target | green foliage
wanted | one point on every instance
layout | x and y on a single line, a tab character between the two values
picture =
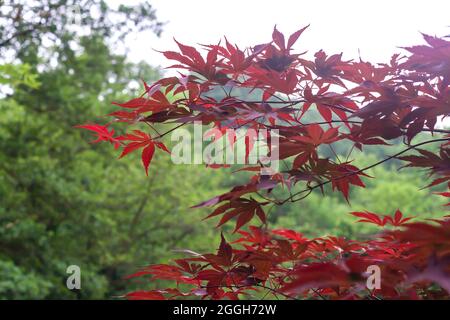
14	75
21	284
64	202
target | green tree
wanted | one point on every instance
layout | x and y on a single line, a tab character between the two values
61	201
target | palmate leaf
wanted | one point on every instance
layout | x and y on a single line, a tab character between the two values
102	133
138	140
379	220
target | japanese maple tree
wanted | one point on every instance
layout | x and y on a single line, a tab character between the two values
356	101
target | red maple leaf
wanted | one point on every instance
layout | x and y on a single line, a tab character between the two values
142	140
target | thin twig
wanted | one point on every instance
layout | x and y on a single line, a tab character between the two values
360	170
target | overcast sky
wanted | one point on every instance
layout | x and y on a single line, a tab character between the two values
376	28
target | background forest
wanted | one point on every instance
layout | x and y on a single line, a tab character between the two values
64	202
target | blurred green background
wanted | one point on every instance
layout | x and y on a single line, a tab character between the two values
64	201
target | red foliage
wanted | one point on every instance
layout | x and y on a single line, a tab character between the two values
360	102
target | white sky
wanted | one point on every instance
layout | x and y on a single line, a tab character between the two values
376	28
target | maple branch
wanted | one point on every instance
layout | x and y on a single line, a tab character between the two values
169	131
275	291
152	127
355	122
275	102
287	103
294	102
319	294
309	189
